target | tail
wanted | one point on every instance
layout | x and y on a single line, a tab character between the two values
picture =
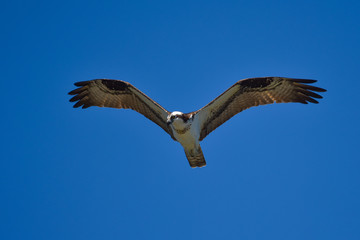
195	157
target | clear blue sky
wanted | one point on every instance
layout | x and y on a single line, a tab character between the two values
284	171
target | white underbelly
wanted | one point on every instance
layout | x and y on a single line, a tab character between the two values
188	139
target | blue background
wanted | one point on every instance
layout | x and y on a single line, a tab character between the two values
284	171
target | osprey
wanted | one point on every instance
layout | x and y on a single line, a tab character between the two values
191	128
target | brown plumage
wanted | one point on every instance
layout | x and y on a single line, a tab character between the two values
242	95
119	94
195	157
253	92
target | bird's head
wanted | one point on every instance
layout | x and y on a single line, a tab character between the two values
179	119
174	116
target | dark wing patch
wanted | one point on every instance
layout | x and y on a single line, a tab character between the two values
115	85
119	94
256	82
253	92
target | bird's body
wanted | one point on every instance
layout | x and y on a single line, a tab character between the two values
191	128
186	130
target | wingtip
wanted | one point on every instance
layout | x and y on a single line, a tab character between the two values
82	83
76	105
321	90
308	81
73	92
300	80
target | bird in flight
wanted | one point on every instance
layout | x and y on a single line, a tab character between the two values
189	129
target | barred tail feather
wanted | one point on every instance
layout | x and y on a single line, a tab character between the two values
195	157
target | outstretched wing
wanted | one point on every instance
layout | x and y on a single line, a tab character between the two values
253	92
119	94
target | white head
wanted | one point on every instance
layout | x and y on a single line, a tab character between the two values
179	119
176	115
